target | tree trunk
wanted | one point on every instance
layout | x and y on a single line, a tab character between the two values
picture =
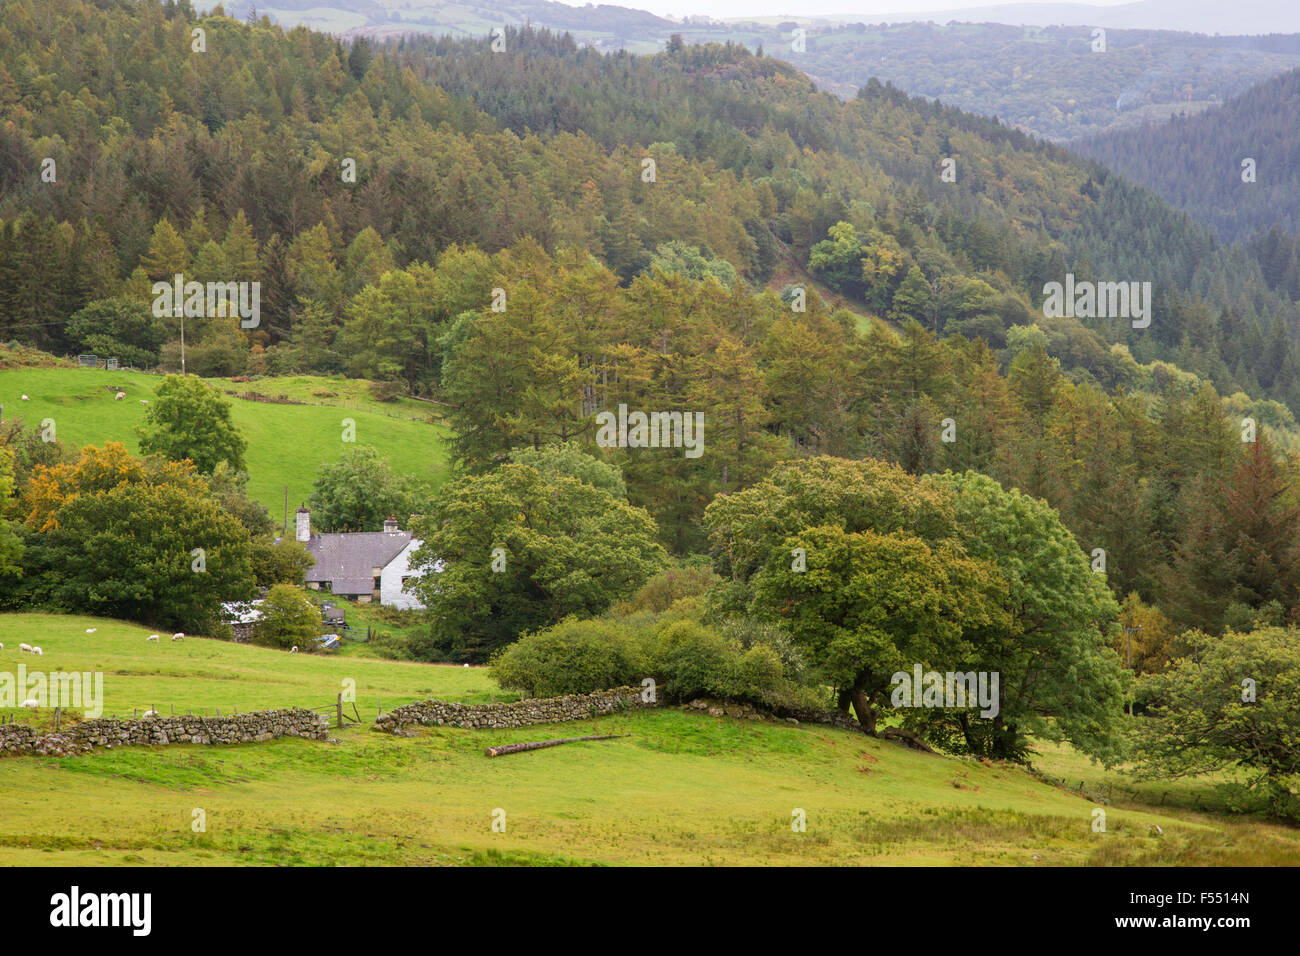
862	705
906	737
970	738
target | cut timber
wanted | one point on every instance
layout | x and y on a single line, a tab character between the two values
906	738
539	744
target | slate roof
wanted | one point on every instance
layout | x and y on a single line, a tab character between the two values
347	561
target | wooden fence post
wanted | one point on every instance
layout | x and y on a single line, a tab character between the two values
339	709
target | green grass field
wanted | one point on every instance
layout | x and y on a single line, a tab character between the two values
286	443
682	788
199	674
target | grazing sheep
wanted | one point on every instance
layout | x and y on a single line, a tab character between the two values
150	713
177	637
91	630
144	401
26	399
31	702
152	637
294	649
467	665
24	648
37	651
2	647
119	396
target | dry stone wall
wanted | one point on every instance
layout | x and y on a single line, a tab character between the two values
158	731
520	713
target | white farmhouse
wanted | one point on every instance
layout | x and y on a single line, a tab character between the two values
362	566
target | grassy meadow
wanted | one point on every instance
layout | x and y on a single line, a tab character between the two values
199	674
287	443
682	788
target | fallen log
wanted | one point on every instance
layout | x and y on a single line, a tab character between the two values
539	744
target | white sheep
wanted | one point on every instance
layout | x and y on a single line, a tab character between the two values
24	648
31	702
37	651
119	396
2	647
91	630
144	401
177	637
26	399
152	637
294	649
467	665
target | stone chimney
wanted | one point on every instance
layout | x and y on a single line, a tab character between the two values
303	526
390	526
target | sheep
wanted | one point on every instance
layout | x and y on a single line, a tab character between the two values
2	647
151	713
31	702
177	637
152	637
119	396
26	399
144	401
294	649
467	665
37	651
91	630
24	648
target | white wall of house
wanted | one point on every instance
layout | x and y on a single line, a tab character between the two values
390	580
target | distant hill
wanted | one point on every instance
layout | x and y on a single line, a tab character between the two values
1195	161
1199	16
1043	79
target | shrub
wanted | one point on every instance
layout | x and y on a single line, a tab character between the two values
572	657
686	658
387	390
288	618
668	587
692	660
390	647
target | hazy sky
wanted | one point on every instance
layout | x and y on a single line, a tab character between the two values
721	9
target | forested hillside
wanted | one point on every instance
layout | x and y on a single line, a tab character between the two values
1047	79
1236	169
538	234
